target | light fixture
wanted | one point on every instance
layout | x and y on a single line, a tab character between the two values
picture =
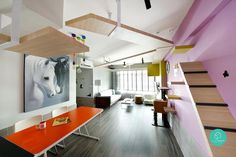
142	61
74	60
84	57
147	4
124	64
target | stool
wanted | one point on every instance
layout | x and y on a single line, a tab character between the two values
138	99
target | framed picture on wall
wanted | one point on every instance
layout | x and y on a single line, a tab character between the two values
46	81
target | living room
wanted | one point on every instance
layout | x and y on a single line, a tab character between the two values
119	77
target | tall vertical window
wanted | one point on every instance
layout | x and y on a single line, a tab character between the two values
135	80
139	80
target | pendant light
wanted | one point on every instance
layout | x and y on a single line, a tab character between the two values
124	64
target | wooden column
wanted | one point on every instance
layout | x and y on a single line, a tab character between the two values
163	74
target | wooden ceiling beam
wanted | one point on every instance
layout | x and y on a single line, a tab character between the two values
136	55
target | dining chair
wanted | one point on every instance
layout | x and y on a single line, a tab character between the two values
59	111
55	113
26	123
72	107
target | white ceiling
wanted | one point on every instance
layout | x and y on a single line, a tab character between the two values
30	21
163	14
164	17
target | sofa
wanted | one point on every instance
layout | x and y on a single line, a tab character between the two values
106	98
149	99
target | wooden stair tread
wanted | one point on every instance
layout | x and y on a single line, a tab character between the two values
211	104
225	129
216	116
198	79
177	83
228	149
202	86
192	66
212	110
207	95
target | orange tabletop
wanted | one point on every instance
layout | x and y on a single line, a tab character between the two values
37	141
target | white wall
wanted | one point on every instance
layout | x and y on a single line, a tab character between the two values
103	74
11	90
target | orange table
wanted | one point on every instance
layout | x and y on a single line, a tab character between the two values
38	141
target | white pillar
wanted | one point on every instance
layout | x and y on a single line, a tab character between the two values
0	23
118	12
16	15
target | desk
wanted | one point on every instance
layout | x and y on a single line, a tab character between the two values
38	141
127	101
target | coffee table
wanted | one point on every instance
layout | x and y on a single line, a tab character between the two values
127	101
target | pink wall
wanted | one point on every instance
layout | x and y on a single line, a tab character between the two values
226	86
214	43
211	27
200	10
185	108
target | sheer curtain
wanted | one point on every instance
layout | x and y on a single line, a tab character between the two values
134	80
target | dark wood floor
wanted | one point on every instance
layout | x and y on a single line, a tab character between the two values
124	132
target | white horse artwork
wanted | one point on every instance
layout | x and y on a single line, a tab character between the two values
40	81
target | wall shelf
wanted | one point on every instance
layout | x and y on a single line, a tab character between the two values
173	97
177	83
169	110
182	49
48	42
4	38
164	88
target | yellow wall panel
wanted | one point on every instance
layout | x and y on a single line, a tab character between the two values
153	70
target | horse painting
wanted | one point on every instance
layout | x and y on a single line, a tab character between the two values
41	82
61	67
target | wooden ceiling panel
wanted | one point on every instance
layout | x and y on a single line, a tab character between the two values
101	25
4	38
48	42
93	23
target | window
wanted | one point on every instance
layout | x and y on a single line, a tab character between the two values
139	80
135	80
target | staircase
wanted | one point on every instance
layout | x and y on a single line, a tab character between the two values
212	109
